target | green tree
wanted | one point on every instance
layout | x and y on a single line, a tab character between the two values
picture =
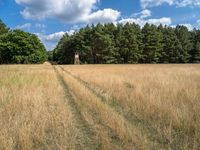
110	53
195	52
21	47
152	44
50	55
183	36
64	51
171	46
129	43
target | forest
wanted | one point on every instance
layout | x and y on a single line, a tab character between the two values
129	44
19	47
105	44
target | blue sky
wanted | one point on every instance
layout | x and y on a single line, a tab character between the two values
50	19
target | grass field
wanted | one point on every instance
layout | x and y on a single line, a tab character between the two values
100	107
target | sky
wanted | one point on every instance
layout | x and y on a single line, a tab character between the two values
51	19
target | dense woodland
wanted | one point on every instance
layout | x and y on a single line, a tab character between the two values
19	47
129	43
105	44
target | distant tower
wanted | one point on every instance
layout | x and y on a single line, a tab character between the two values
76	59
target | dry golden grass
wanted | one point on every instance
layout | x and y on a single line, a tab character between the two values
33	110
111	130
161	101
100	107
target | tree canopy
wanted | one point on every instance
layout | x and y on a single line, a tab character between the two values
130	43
19	47
3	28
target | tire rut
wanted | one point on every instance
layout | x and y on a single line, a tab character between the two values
130	117
115	138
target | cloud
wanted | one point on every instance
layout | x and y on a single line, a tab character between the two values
198	22
143	14
26	26
30	27
103	16
178	3
51	40
141	19
189	26
184	3
163	21
69	11
142	22
53	37
151	3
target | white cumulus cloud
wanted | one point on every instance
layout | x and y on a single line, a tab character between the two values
103	16
143	14
141	19
70	11
142	22
151	3
51	40
184	3
178	3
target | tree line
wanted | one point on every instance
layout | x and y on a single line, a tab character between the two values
19	47
105	44
129	44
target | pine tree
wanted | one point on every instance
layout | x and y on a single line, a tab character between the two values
186	45
134	42
127	43
171	46
111	54
64	51
152	44
196	54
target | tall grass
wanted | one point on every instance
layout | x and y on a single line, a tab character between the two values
162	100
112	131
99	107
33	111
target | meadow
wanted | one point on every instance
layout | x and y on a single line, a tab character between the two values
100	107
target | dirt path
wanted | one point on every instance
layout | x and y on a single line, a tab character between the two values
88	134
